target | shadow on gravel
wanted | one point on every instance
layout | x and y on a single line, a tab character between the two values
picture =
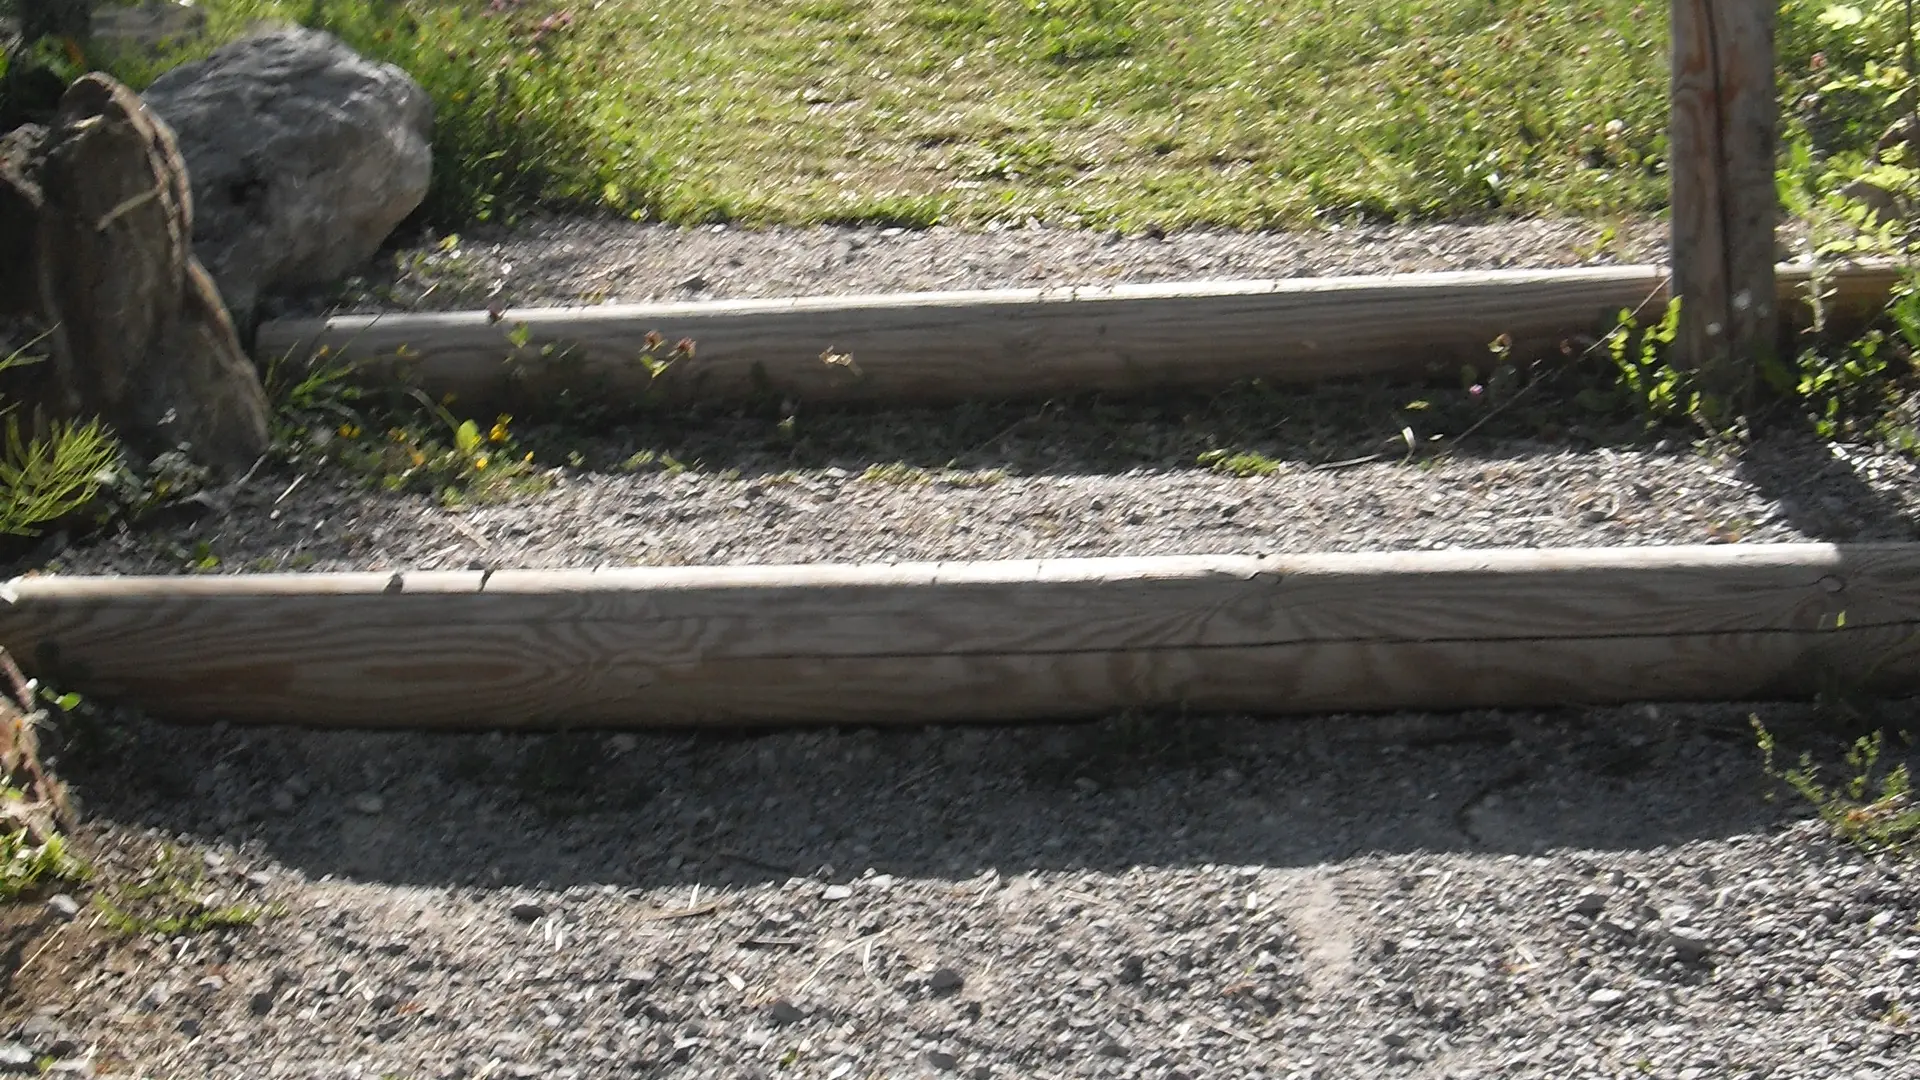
1823	494
650	810
1253	423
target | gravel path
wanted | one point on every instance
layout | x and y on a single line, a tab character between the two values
1588	894
1601	893
573	261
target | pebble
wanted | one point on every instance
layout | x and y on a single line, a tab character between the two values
1591	902
944	981
369	803
784	1012
527	911
942	1060
1689	943
13	1056
1606	996
836	892
63	905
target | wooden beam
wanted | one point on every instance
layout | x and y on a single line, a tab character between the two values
952	642
1010	343
1724	205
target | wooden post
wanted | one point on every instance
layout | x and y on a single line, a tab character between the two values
1720	161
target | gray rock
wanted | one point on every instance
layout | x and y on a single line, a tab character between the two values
1591	902
304	157
944	981
1689	943
63	905
784	1012
16	1058
369	803
139	336
942	1060
527	911
1606	996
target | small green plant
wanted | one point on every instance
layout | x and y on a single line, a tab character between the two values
1872	808
170	899
1244	464
1656	390
26	862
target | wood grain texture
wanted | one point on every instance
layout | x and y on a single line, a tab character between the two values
1722	196
981	641
933	347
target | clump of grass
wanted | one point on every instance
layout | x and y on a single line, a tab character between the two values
1872	807
51	475
170	899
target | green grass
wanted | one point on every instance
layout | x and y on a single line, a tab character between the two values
1101	112
171	899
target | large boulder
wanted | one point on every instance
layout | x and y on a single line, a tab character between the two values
138	336
304	156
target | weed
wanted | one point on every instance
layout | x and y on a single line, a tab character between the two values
1872	808
404	442
1244	465
170	899
1654	388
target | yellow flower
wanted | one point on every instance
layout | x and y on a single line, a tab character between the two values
349	431
419	458
499	432
480	462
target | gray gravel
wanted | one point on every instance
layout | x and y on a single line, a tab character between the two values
1585	894
591	518
568	261
1602	893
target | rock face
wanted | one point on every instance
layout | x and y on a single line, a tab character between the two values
304	157
98	207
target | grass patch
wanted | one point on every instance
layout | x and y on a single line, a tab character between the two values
170	898
1125	113
1101	112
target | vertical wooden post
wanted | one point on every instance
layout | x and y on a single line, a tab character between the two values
1720	161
